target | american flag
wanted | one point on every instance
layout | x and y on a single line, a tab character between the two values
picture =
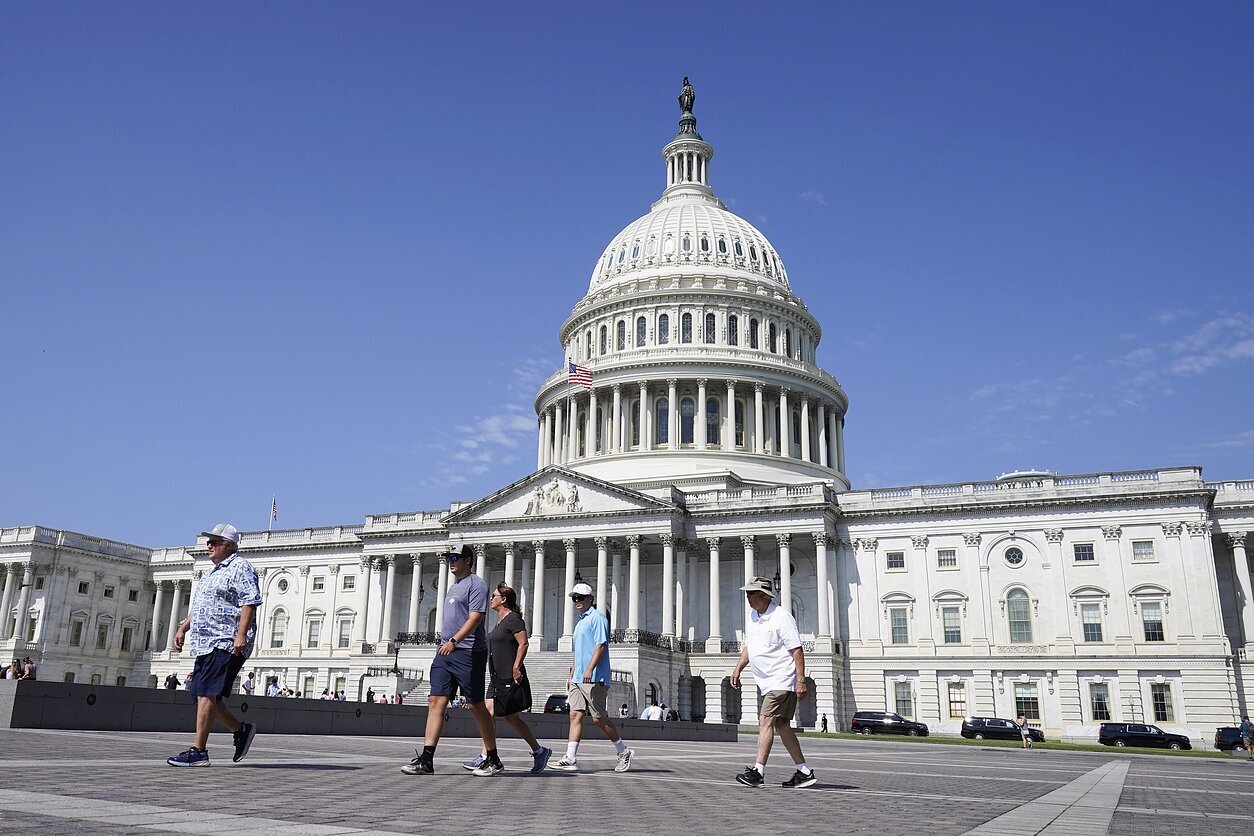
274	509
578	375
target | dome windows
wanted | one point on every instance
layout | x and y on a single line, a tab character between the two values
753	253
686	245
668	245
770	338
663	329
788	342
705	243
753	333
605	339
711	421
641	330
687	409
722	246
685	328
620	335
622	254
733	330
711	327
740	251
661	430
635	251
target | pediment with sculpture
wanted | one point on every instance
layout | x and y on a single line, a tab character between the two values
556	492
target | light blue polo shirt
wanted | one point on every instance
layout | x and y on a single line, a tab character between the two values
592	629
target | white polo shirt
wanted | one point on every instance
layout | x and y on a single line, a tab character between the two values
771	638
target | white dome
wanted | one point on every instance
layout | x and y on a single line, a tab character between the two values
688	232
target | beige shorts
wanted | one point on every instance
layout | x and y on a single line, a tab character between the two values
779	704
589	699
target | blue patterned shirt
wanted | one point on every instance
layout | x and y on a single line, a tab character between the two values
220	595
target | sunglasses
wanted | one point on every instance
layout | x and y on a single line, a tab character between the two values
213	544
580	597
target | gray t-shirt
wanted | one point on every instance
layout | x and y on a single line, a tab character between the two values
468	595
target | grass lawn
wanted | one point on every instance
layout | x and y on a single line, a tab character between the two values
1052	746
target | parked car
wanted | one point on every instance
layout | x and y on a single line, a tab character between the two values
556	704
1228	738
1140	734
996	728
885	722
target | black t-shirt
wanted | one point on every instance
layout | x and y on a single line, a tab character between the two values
504	647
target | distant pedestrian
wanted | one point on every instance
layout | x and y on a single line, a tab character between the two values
272	690
370	695
172	681
1247	737
653	711
249	684
1024	734
221	626
624	712
823	724
672	715
28	670
588	682
772	647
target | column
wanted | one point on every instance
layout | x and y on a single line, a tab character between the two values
681	585
668	585
633	581
509	565
672	414
616	585
559	438
389	589
23	600
7	601
644	417
840	444
573	423
729	418
747	543
805	428
785	571
591	447
540	422
603	568
415	594
568	606
154	635
442	590
524	585
481	560
1241	565
822	542
699	431
759	437
363	603
785	425
714	644
823	459
537	597
615	430
691	607
175	601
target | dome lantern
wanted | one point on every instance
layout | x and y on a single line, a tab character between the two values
688	155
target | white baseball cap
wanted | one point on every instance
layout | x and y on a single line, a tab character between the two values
580	589
224	530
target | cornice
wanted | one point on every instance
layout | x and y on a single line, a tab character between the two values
979	507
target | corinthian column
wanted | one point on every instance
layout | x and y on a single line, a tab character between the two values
822	542
714	644
537	597
23	600
759	420
602	588
415	594
699	434
805	428
785	425
785	571
389	588
568	610
668	585
7	601
363	604
633	581
1241	566
154	634
175	602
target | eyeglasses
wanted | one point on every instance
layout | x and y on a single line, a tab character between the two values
580	597
213	544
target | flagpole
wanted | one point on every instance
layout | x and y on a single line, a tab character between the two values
273	508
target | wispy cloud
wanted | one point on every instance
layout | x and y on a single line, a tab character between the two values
1240	441
813	196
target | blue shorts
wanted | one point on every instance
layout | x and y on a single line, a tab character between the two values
461	670
215	673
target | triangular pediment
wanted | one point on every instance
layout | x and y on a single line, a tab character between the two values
556	492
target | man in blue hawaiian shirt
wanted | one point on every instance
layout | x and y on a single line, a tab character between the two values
219	632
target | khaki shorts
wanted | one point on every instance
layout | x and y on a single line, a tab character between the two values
589	699
779	704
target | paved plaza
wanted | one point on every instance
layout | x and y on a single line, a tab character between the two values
112	782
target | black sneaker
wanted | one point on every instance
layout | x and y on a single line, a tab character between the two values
418	766
750	777
243	740
800	779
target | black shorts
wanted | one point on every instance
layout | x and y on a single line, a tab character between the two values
215	672
461	671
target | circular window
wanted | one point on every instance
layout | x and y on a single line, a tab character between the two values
1014	556
283	585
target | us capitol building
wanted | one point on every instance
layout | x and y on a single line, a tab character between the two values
710	448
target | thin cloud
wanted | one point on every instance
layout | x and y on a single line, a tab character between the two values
1240	441
813	196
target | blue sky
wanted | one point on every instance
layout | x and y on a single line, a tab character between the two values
322	250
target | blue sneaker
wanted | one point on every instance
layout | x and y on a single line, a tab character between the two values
474	763
192	757
540	759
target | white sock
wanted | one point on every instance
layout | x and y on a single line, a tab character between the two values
620	745
572	749
761	768
802	767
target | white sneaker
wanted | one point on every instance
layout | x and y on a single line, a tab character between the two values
566	764
624	761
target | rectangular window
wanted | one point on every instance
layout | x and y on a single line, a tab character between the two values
346	633
39	582
31	624
69	676
946	558
341	683
896	560
1099	700
1019	616
951	621
349	583
903	699
1083	552
314	634
102	636
1160	696
76	633
1142	549
897	618
108	592
128	636
1152	620
120	682
83	587
957	700
1026	701
95	679
1091	617
309	686
319	583
133	596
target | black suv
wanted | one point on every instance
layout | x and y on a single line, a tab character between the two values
995	728
1228	738
885	722
556	704
1140	734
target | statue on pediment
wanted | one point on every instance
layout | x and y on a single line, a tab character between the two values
552	499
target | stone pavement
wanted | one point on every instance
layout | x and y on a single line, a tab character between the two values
117	782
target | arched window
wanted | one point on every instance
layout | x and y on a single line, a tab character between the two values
581	424
711	421
687	409
711	327
662	424
620	336
740	423
705	244
686	244
663	329
597	443
622	254
651	247
587	354
635	251
770	338
605	339
796	429
775	427
722	246
635	423
740	251
788	342
753	253
278	627
641	328
1019	616
733	330
753	333
685	328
